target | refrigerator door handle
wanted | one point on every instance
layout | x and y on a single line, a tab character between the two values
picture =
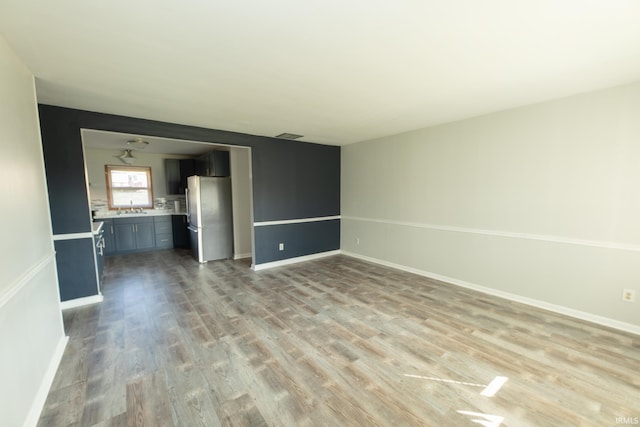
186	197
192	228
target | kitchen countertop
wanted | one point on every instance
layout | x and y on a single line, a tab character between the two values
114	214
97	226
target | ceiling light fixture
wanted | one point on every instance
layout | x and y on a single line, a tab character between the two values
289	136
137	143
127	157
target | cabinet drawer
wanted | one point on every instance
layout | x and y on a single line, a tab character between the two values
163	227
164	241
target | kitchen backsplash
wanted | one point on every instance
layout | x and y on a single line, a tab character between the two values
161	203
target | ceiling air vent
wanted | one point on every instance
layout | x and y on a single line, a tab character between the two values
289	136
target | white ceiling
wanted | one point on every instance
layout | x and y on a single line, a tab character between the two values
335	71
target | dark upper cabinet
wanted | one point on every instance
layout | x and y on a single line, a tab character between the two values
187	169
213	163
176	173
172	175
202	165
220	161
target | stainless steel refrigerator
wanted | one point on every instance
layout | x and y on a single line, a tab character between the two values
210	217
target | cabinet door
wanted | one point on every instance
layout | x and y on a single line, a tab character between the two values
202	165
125	236
180	232
109	238
164	237
162	225
187	169
220	161
172	175
145	235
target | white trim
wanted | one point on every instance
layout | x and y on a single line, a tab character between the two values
25	278
43	391
95	231
95	264
589	317
541	237
295	260
79	302
242	256
296	221
73	236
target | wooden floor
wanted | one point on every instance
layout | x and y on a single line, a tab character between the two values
328	343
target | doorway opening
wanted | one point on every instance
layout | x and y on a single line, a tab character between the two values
104	148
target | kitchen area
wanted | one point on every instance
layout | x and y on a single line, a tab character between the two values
149	194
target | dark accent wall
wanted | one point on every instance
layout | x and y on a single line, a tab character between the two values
319	237
291	179
295	181
66	180
76	268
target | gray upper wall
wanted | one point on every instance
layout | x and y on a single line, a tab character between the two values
538	203
30	321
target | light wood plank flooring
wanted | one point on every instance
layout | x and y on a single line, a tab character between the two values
330	342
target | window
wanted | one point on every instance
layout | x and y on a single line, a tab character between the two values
129	187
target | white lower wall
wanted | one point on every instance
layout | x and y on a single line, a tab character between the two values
31	331
529	269
539	202
32	344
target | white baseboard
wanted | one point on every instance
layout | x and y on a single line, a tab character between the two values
41	396
582	315
288	261
242	256
79	302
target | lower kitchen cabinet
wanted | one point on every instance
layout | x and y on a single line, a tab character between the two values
145	235
139	234
180	231
163	231
125	237
109	236
134	234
